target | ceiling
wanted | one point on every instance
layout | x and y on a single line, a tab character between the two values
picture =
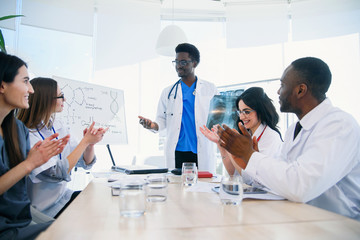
172	10
206	10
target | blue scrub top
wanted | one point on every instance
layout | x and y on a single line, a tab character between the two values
187	139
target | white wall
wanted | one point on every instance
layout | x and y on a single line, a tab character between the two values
120	53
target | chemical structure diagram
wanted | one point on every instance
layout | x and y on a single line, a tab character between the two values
72	96
85	104
86	97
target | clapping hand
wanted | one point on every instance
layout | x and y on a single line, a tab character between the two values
42	151
211	135
239	145
94	135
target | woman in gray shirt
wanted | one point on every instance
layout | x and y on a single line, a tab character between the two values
17	160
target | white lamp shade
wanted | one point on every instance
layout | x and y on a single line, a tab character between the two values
169	38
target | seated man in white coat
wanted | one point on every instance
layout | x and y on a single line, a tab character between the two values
183	108
320	157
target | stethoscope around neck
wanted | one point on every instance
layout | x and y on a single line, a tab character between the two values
176	85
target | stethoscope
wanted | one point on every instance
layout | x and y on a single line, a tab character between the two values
176	85
44	138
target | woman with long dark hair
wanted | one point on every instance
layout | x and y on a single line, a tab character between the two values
258	114
17	160
47	184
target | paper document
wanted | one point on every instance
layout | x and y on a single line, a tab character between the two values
101	174
202	187
209	187
264	196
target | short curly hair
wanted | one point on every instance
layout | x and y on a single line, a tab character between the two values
190	49
315	73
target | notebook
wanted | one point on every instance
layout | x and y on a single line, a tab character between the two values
133	169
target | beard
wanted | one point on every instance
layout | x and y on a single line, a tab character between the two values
181	73
285	106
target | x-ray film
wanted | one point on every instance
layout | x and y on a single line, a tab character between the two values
222	111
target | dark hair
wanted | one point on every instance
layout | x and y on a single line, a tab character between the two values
9	68
256	98
42	103
193	52
315	74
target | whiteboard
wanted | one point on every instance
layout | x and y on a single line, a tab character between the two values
86	102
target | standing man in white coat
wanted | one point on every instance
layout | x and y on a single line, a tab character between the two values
183	108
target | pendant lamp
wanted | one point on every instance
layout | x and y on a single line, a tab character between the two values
169	38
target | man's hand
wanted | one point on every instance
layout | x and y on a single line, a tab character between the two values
148	124
240	146
255	144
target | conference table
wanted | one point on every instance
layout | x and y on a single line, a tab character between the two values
94	214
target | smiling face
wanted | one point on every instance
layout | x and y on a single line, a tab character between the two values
188	69
250	120
16	93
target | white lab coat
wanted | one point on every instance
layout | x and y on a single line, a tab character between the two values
47	186
168	117
269	144
321	166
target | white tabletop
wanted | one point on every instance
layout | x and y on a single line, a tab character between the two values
94	214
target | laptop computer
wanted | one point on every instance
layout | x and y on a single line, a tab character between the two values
133	169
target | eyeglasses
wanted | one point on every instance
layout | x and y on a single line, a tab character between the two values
245	112
61	96
182	63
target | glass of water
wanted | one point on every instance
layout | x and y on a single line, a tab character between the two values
156	188
132	198
231	190
189	174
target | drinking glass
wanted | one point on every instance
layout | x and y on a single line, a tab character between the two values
189	173
231	190
156	188
132	198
